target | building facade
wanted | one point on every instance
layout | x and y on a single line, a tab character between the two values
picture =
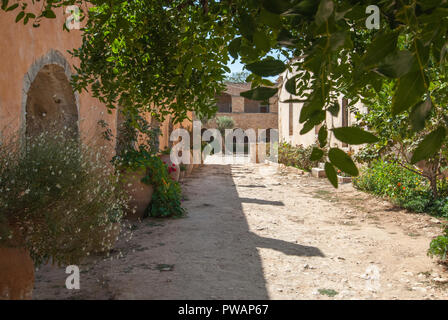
247	114
289	114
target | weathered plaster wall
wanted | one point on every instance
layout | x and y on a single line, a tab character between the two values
24	51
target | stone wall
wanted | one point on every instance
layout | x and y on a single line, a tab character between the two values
251	120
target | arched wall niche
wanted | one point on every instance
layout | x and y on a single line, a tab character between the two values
48	99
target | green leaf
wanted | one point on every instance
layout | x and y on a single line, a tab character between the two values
261	41
270	19
294	101
267	67
342	161
290	86
381	46
4	4
331	174
247	26
322	136
397	64
277	6
14	6
324	11
20	16
430	145
316	154
307	127
285	38
234	47
410	89
315	104
259	93
49	14
337	40
419	114
334	109
354	135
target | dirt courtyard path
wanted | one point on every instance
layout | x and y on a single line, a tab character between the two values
258	232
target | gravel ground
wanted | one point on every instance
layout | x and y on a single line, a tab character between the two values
262	232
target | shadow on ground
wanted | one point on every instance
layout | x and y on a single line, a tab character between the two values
211	254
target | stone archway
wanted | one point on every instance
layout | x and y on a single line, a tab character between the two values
49	102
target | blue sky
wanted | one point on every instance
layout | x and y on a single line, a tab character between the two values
236	67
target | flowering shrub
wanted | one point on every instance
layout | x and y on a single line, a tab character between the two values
296	156
405	188
56	198
171	168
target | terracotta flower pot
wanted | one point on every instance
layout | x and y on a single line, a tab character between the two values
140	193
16	274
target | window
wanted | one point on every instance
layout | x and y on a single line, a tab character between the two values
264	108
224	103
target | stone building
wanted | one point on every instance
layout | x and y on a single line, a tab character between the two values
247	114
289	113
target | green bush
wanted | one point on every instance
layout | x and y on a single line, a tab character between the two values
223	123
57	197
439	246
404	187
296	156
167	196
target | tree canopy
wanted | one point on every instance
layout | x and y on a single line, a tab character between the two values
171	56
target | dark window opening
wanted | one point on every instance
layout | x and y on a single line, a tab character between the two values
224	103
264	108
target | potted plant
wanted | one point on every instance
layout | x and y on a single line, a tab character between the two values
137	143
167	196
55	195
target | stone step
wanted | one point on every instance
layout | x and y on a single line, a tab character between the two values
318	173
342	179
